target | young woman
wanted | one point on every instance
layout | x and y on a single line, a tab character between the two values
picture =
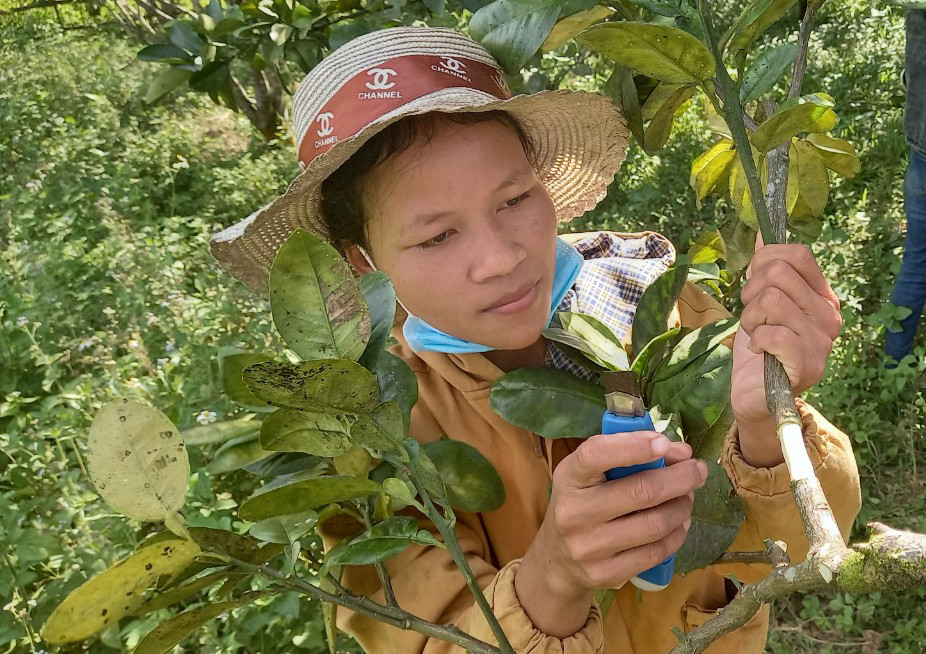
417	162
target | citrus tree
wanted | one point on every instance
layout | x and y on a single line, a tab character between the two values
330	413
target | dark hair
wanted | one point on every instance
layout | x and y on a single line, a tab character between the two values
342	207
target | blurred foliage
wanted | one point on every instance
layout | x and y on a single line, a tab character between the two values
107	289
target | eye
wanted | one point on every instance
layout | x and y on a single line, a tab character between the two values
513	202
437	240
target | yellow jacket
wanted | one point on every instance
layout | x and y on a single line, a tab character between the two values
454	401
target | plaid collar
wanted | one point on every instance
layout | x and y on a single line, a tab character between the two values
617	269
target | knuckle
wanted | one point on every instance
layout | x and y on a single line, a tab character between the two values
640	491
656	525
588	452
778	267
772	298
657	552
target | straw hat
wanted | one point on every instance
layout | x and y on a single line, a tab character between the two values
381	77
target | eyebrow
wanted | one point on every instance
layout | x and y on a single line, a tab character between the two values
425	219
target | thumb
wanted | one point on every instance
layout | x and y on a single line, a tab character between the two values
759	245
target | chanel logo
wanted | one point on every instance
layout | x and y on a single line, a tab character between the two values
453	64
380	79
499	80
324	122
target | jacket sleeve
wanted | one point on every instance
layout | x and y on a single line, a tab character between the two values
428	584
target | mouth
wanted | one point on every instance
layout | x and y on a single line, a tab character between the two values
516	301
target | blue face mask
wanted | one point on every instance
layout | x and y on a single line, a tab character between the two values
422	336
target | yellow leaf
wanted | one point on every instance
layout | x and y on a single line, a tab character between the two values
138	461
808	181
838	155
710	167
116	592
740	197
568	27
353	463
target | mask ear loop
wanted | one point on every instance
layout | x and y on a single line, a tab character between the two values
369	259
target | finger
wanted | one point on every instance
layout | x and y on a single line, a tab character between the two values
646	489
781	275
647	526
586	466
615	572
677	453
801	259
775	307
804	365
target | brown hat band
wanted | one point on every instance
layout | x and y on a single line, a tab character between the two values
376	91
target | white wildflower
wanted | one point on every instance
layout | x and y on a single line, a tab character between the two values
205	417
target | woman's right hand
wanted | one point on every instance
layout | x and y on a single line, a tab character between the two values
599	534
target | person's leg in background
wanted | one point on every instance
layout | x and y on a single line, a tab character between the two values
910	288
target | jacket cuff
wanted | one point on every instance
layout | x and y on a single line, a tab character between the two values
772	481
524	636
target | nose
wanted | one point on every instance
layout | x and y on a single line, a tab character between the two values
497	251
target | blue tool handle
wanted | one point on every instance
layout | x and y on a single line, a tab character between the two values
659	576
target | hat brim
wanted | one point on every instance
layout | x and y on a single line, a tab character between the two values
580	141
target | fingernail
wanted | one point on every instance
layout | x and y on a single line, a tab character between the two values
660	445
702	468
687	524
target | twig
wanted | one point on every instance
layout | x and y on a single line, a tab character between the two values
385	582
365	606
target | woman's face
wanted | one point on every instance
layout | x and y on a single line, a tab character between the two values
466	231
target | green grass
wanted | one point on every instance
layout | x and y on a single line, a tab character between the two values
107	289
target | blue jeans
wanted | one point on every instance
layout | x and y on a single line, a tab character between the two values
910	288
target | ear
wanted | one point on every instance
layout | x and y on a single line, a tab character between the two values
357	261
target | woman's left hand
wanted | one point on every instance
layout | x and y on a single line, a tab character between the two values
789	311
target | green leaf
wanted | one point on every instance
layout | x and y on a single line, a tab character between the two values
170	633
670	8
471	481
355	462
385	540
514	30
698	392
232	361
165	82
328	386
165	53
709	444
652	315
808	180
220	432
757	17
137	460
660	127
665	53
380	430
574	347
740	241
695	345
183	35
104	599
566	28
291	430
766	70
606	348
237	453
399	493
837	154
317	305
715	520
813	114
284	529
397	383
548	402
652	354
707	249
711	167
299	496
379	296
620	87
215	79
